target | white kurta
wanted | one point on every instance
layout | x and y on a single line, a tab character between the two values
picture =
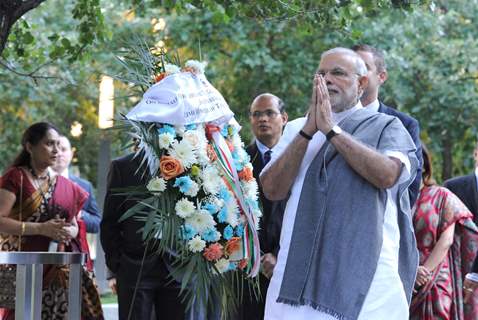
386	298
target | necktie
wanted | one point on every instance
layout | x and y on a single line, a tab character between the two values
267	156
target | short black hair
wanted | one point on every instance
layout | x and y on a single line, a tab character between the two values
378	57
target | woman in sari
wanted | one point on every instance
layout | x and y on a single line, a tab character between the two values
447	240
38	213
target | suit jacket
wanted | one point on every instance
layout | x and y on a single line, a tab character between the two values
122	242
413	128
90	212
465	188
272	211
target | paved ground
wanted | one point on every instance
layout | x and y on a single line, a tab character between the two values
110	311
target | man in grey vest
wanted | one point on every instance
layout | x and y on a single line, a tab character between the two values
347	248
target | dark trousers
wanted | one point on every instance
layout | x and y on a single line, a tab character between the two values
154	290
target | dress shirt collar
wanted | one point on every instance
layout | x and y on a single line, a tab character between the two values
337	117
374	105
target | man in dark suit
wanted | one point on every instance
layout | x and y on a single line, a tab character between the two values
90	213
267	117
142	280
466	188
377	75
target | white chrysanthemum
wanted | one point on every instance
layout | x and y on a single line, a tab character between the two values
201	220
185	208
232	213
211	180
165	140
237	142
193	189
184	152
243	155
156	185
257	213
171	68
222	265
196	244
197	66
250	189
203	158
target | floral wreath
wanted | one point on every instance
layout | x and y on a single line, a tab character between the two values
201	200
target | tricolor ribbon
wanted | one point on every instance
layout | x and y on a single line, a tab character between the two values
250	238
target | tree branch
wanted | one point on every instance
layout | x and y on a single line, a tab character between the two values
25	7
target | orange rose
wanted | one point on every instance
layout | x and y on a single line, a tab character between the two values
233	245
246	174
213	252
170	167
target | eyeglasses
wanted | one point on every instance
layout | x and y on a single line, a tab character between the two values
336	73
268	113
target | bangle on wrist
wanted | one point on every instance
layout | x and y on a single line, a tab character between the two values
305	135
23	228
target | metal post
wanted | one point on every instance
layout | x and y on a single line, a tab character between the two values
36	290
23	301
74	299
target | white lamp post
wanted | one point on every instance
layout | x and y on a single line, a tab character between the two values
105	120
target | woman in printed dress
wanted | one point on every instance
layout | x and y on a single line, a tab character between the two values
38	211
447	240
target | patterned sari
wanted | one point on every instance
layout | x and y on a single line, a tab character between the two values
442	297
54	197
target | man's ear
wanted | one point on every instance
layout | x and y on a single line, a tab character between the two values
285	117
363	83
382	76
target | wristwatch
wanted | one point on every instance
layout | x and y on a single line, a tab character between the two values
336	130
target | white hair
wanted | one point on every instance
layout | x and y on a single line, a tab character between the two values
360	66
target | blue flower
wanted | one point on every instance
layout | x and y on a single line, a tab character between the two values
212	208
240	230
188	232
224	194
238	164
225	131
228	232
184	183
167	129
210	235
222	215
190	127
232	266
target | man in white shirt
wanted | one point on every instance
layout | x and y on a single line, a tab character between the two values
337	261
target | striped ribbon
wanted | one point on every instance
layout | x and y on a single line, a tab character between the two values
250	239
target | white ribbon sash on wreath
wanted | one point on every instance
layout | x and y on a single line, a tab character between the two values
181	99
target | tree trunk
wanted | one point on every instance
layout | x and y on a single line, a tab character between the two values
10	12
447	157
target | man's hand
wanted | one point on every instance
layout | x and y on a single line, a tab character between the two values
423	276
323	117
268	262
310	126
112	285
469	288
